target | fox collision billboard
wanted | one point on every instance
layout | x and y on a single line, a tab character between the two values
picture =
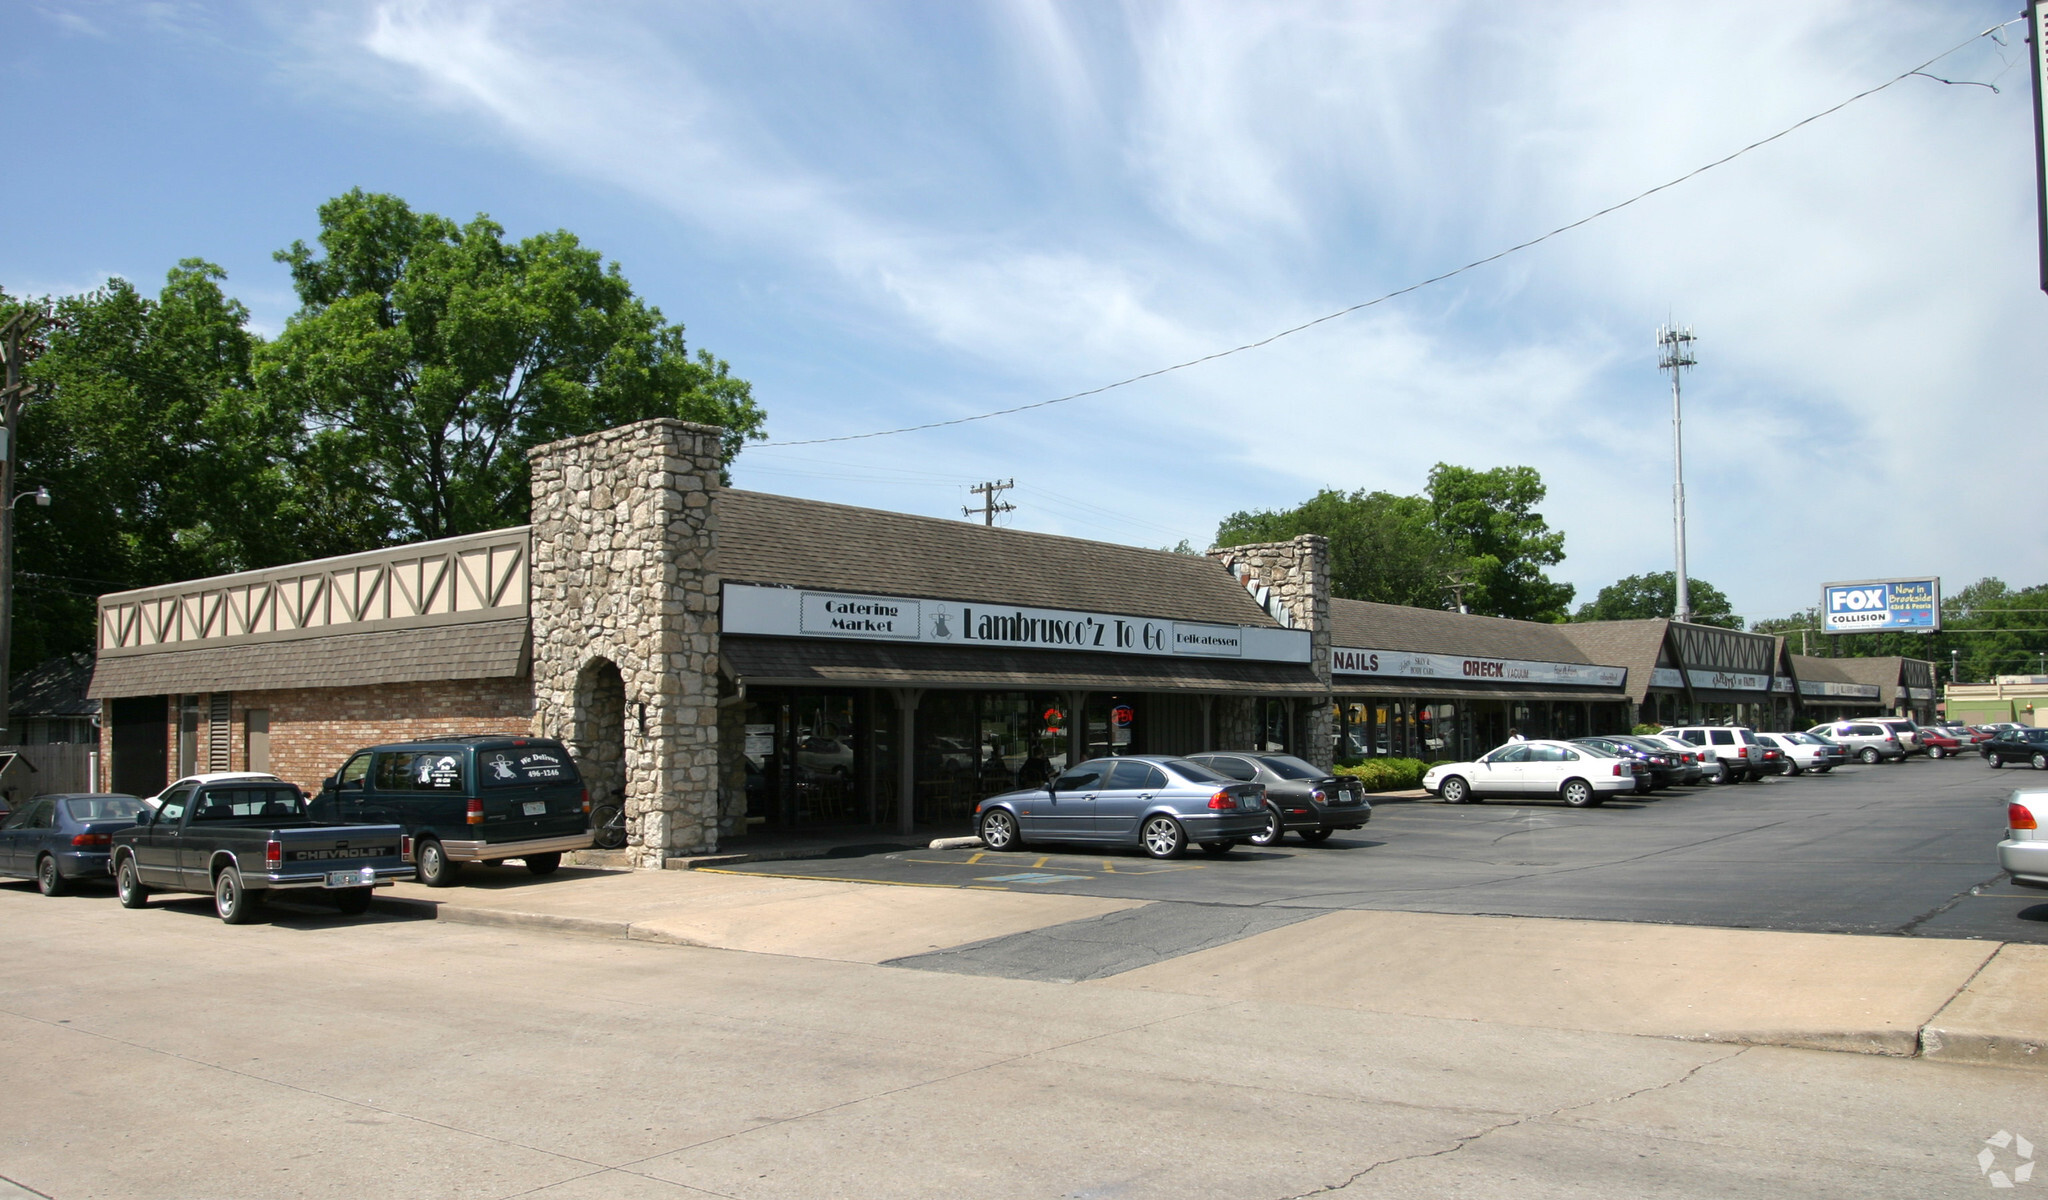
1881	606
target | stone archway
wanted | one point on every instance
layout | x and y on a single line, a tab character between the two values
597	736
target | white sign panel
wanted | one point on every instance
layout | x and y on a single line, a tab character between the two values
1843	691
1346	660
793	612
1733	681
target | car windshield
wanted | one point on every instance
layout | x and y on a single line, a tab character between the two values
1286	766
1593	751
1193	772
103	808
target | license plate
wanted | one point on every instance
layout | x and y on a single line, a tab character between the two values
345	879
536	808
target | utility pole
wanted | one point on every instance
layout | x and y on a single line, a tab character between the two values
990	506
1456	582
14	393
1674	354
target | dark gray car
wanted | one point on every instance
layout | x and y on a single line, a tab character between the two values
1300	796
1157	803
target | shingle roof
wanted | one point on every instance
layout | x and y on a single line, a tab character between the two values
1823	670
770	539
1884	671
1631	644
55	689
476	650
1365	624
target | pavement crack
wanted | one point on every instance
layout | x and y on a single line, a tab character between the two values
1464	1140
1908	928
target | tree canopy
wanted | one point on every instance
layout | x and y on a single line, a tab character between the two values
398	404
428	358
1640	597
1479	526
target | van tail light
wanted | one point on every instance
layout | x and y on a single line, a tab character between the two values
1223	800
273	854
476	812
2019	816
405	846
92	839
586	802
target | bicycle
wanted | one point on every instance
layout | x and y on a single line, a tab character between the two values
608	826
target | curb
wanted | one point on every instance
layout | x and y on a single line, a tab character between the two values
1982	1049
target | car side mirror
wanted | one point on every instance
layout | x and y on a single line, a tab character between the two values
330	783
143	815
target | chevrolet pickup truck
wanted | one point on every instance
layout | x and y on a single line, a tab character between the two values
241	839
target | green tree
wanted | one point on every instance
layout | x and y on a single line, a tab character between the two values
428	357
1656	595
1490	518
162	463
1383	547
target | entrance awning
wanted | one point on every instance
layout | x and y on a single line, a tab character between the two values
801	662
1432	689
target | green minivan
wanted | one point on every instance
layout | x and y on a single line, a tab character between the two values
481	798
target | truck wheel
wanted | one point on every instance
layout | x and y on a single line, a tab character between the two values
543	864
354	901
128	885
434	868
235	903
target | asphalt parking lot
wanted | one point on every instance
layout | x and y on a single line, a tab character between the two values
1907	849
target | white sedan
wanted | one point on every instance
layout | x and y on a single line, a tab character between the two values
1581	776
2024	852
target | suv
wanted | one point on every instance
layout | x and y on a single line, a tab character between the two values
1908	731
1733	747
467	799
1864	739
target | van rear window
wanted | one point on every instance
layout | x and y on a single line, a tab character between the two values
525	765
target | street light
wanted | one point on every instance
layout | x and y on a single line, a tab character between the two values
41	494
1953	655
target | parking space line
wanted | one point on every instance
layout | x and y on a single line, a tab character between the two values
830	878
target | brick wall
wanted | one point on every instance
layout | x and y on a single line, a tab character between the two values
313	730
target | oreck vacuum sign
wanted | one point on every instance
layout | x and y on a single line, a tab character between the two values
1881	606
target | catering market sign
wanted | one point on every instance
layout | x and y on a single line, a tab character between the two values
1346	660
1881	605
795	612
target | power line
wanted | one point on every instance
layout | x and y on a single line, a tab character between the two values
1413	287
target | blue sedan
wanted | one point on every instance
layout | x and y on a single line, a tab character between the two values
1156	803
59	840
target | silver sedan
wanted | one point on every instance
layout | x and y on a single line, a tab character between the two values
1157	803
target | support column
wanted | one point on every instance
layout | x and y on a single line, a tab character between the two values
624	576
906	757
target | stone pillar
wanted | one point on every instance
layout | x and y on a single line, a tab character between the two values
1292	579
624	573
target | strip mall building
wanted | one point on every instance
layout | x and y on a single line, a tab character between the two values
730	661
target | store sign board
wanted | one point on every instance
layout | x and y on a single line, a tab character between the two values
1729	681
794	612
1346	660
1881	605
1842	691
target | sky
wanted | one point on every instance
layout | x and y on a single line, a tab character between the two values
893	214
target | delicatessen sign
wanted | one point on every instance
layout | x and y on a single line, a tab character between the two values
792	612
1346	660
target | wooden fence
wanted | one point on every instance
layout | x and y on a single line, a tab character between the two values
59	767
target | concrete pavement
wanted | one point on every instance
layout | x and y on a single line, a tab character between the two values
160	1054
1961	1000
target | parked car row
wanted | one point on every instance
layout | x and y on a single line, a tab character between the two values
1162	804
394	812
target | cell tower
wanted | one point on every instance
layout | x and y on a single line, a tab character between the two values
1674	354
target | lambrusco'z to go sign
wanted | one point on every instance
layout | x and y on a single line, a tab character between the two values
1878	605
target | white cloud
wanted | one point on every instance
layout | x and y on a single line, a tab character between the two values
1012	203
